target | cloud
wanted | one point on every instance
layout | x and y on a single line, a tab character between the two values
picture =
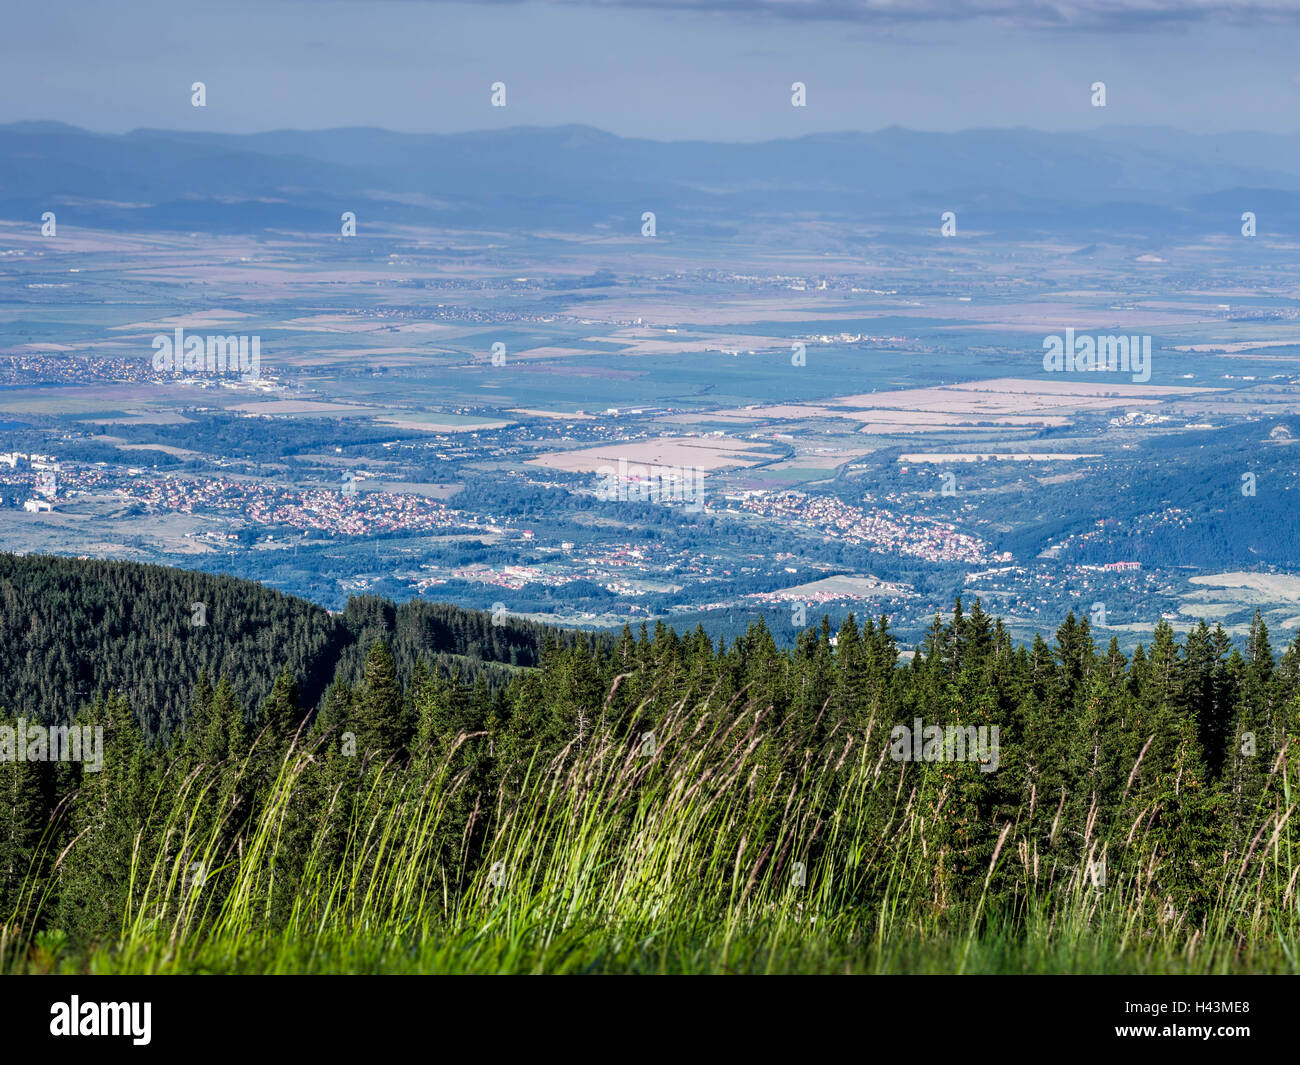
1112	15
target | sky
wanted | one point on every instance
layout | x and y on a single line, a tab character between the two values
689	69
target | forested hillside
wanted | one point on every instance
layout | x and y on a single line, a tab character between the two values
72	630
659	783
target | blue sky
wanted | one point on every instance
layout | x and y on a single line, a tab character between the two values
693	69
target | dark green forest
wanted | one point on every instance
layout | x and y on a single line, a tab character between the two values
279	746
72	631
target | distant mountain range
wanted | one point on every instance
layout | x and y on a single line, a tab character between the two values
1136	179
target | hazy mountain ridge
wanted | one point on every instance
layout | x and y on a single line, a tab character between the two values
584	176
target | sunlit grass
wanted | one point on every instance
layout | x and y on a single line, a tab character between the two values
727	849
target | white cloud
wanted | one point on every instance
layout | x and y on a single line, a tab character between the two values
1114	15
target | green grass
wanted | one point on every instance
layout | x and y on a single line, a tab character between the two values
606	859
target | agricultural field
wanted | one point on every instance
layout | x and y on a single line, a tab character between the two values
513	391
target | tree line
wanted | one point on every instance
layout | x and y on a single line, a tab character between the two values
1171	766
